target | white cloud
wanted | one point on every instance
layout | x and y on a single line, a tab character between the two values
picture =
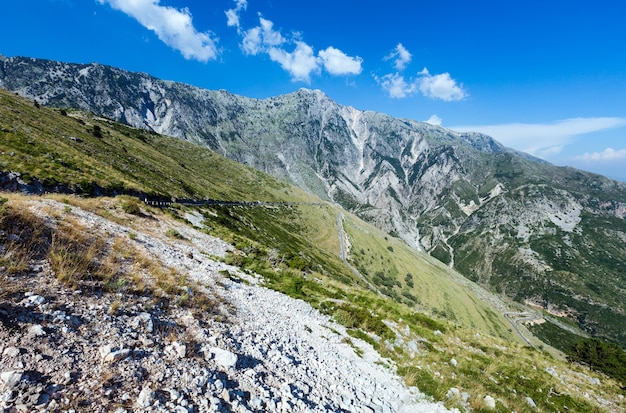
434	120
401	55
609	154
232	15
261	38
300	63
397	86
252	43
173	27
440	86
271	37
337	62
543	139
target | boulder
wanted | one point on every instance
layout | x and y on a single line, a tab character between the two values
453	393
223	357
10	379
489	403
145	398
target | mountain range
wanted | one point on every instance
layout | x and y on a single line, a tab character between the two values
551	237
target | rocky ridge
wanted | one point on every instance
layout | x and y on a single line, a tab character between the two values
389	170
256	350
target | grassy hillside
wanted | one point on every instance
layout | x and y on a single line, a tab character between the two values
82	152
423	283
420	315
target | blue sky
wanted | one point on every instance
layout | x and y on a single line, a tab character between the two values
545	77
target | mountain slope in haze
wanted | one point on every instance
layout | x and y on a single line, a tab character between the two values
553	237
436	329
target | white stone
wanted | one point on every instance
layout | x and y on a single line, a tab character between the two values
36	330
218	385
116	356
6	397
531	403
489	402
36	299
104	350
145	397
453	393
11	352
10	379
179	349
223	357
174	395
143	320
453	362
256	403
552	371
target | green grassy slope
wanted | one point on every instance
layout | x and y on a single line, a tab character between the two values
424	283
83	151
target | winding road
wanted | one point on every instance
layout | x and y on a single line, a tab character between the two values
516	318
343	255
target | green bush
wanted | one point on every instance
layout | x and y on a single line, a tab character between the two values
173	233
131	208
97	131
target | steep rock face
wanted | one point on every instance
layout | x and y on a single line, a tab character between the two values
553	236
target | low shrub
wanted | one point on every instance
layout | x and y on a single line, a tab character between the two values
131	207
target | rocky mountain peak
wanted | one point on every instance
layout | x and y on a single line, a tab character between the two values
482	142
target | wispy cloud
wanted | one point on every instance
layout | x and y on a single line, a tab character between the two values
609	154
401	57
543	139
301	62
232	15
441	86
397	86
174	27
